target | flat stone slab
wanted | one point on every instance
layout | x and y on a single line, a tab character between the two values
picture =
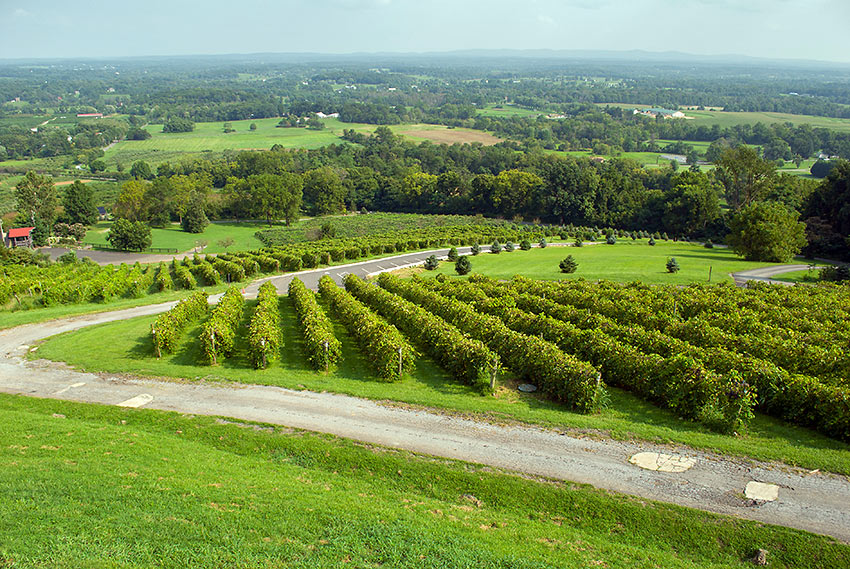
660	462
761	492
137	401
527	388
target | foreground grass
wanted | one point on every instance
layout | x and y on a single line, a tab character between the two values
626	261
96	486
130	351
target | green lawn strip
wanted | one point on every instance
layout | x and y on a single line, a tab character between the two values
99	486
626	261
625	417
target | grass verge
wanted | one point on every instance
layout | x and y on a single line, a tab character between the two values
99	486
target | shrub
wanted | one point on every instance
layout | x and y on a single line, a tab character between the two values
431	263
579	242
672	265
509	247
708	244
496	247
463	266
453	254
568	265
476	249
264	335
525	245
218	334
611	240
651	241
543	243
168	326
323	348
390	354
468	360
162	280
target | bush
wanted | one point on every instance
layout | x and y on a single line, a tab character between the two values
834	274
476	249
183	276
463	266
168	326
568	265
496	247
129	235
453	256
611	240
162	280
323	348
509	247
672	265
264	334
543	243
525	245
390	354
708	244
579	242
651	241
468	360
431	263
218	334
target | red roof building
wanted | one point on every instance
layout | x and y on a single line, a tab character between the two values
19	237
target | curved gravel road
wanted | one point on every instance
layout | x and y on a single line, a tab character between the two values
792	497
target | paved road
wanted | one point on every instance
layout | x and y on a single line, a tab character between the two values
811	501
113	257
765	274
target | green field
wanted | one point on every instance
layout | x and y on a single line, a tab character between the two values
626	261
626	416
99	486
728	119
210	138
507	110
175	238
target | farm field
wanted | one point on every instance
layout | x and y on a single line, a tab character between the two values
726	119
210	138
626	416
121	487
507	110
626	261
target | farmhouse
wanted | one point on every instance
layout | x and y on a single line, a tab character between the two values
18	237
322	115
656	112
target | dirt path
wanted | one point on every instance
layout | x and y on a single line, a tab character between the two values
764	274
806	500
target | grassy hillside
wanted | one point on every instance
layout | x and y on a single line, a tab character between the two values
98	486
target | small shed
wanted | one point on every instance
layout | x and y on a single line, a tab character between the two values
19	237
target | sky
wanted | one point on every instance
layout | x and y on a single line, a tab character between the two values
778	29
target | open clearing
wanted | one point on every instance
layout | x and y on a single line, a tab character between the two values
445	135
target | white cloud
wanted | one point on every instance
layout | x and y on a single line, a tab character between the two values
21	13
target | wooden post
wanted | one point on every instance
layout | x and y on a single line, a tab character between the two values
327	357
709	273
399	361
263	345
494	370
155	344
212	341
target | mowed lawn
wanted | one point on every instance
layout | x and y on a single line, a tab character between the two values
174	237
625	416
626	261
99	486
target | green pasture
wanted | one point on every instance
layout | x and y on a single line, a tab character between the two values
625	417
728	119
101	486
174	237
626	261
507	110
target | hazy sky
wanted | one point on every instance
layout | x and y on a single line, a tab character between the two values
798	29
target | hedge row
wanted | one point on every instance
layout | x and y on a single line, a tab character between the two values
163	281
182	276
218	334
560	375
390	354
205	272
264	334
168	326
468	360
323	348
